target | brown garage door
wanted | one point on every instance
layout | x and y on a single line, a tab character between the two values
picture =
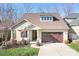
52	37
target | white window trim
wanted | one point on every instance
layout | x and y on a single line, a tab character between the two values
46	19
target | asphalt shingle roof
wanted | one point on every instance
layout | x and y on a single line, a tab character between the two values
72	15
75	17
35	19
75	22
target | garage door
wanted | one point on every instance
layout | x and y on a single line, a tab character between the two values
52	37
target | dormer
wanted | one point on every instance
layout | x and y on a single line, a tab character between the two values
46	18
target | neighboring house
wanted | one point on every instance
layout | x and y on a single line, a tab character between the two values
41	27
73	22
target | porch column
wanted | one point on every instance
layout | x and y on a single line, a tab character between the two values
38	36
65	36
30	35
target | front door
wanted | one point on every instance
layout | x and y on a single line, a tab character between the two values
34	35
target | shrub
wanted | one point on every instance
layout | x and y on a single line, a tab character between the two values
9	44
66	41
27	42
14	42
38	44
4	46
23	42
70	40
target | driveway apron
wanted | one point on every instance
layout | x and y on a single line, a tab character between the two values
57	49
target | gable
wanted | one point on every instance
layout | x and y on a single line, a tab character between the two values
25	25
22	25
17	24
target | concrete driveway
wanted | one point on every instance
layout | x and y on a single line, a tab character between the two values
57	49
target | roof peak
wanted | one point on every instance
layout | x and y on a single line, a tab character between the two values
41	13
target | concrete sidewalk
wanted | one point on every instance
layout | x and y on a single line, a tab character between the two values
57	49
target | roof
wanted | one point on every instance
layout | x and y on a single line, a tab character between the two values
35	19
75	22
75	17
72	15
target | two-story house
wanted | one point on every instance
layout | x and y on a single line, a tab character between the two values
42	27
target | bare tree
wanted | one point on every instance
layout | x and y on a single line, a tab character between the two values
7	16
68	8
43	9
48	9
27	8
56	9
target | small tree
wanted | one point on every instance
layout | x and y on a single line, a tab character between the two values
7	15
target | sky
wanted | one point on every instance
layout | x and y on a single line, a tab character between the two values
50	7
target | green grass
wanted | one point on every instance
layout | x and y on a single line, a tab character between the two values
28	51
75	46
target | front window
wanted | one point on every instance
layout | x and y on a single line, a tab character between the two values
24	34
14	34
46	18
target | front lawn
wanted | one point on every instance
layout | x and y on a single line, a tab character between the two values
74	45
27	51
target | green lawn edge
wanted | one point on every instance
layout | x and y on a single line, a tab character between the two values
27	51
74	45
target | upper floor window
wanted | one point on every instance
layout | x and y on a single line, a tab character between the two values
46	18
